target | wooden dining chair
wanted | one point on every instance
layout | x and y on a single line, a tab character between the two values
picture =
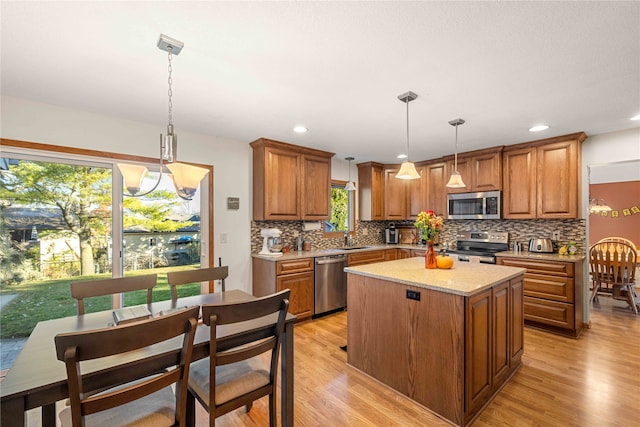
614	263
104	400
95	288
183	277
234	377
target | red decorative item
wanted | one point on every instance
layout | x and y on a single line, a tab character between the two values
430	256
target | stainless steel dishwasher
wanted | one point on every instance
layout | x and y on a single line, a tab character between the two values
330	283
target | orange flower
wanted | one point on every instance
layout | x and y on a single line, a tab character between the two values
429	224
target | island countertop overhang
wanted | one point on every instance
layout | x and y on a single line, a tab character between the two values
464	279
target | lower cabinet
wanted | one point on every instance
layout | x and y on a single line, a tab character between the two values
552	291
365	257
494	341
296	275
448	352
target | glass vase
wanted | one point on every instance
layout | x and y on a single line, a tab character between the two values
430	256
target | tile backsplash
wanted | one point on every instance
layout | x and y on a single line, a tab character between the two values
371	232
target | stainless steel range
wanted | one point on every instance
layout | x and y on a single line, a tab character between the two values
480	246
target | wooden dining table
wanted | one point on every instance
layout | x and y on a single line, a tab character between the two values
38	379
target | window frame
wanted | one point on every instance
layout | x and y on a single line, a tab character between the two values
351	227
110	159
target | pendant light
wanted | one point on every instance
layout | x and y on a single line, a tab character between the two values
455	181
351	186
407	168
186	178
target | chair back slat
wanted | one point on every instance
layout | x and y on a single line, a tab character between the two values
183	277
95	288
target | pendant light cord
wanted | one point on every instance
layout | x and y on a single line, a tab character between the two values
456	153
407	102
170	91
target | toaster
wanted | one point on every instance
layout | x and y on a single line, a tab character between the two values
540	245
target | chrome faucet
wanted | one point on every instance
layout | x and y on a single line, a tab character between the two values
348	239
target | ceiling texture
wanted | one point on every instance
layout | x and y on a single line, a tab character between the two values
257	69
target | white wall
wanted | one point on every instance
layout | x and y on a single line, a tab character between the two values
602	154
26	120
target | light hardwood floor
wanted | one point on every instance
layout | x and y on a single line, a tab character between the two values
591	381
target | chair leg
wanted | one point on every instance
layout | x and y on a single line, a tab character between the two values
594	292
249	406
631	297
272	410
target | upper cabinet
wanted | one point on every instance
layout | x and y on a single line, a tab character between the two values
290	182
371	191
542	178
481	170
395	194
382	196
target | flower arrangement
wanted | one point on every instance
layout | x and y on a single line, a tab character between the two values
429	225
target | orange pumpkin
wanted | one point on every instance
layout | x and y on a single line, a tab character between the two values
444	261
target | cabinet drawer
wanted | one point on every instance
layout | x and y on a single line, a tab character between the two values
294	266
367	257
550	287
390	254
543	267
553	313
418	252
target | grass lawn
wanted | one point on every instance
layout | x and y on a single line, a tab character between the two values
51	299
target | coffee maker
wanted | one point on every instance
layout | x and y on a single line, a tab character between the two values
391	234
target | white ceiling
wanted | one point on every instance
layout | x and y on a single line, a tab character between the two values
253	69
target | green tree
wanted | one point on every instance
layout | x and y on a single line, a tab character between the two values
339	208
152	213
81	193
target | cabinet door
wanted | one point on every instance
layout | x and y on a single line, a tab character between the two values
316	187
487	172
371	191
519	183
418	193
395	196
301	298
464	167
281	184
501	332
403	253
436	191
516	342
557	173
478	351
390	254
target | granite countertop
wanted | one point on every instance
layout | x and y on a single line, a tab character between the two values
333	251
542	256
464	279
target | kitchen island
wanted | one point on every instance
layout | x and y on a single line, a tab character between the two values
448	339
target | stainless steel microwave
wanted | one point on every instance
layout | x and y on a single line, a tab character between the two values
485	205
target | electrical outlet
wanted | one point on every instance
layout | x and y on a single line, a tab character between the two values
296	233
365	232
556	236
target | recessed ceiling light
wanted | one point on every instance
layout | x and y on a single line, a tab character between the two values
538	128
402	156
300	129
636	117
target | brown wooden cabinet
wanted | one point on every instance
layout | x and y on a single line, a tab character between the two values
541	179
417	193
494	340
481	170
552	294
403	253
365	257
395	195
436	190
296	274
448	352
371	191
290	182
